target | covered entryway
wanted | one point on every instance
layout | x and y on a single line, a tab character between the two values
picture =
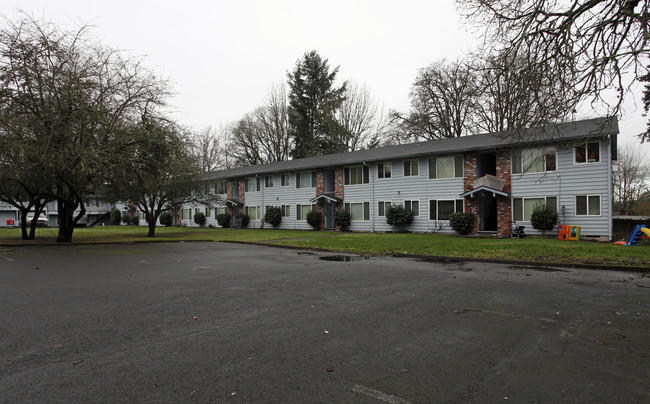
328	205
485	190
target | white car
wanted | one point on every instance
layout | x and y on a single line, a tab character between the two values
41	220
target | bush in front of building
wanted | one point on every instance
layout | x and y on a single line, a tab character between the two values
273	216
116	216
223	220
314	219
199	218
166	218
543	218
134	220
462	223
399	218
126	219
342	220
244	219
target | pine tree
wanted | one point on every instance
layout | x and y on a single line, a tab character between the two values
313	101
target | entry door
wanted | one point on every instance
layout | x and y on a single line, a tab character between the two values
329	215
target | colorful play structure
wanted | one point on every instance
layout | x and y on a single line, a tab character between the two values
639	231
568	232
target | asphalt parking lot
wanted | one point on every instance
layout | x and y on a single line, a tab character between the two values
213	322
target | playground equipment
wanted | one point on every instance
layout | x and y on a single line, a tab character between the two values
568	232
638	232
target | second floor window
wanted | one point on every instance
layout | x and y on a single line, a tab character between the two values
535	160
384	170
411	168
356	175
587	153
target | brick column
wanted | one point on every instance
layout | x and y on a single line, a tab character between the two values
504	204
242	192
469	176
338	186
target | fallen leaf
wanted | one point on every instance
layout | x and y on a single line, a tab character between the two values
195	318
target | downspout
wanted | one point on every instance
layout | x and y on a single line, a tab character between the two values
262	186
372	198
609	188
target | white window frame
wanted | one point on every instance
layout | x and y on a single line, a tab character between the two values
587	196
381	170
437	201
286	210
365	175
545	152
299	210
268	181
410	206
299	178
386	204
456	173
285	180
187	211
586	147
523	205
412	163
258	212
220	210
348	208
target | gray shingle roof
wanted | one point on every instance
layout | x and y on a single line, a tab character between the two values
565	132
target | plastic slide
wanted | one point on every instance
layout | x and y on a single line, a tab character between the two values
637	233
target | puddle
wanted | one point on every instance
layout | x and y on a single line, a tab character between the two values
344	258
535	268
305	253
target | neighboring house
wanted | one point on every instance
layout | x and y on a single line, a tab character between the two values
97	212
500	180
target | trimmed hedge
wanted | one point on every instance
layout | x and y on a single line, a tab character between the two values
462	223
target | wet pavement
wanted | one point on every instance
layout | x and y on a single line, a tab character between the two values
213	322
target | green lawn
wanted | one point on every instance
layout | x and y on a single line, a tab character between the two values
546	250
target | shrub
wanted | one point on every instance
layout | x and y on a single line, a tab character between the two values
462	223
543	218
135	220
314	219
126	219
166	218
223	220
116	216
273	216
199	218
399	218
342	220
244	220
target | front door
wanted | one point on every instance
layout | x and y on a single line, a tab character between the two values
487	211
329	216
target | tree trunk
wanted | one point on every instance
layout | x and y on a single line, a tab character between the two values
66	221
152	229
23	224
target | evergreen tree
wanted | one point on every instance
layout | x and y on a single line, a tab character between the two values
313	101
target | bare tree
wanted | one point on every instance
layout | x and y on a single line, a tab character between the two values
585	45
442	99
515	94
207	149
630	175
263	136
73	99
360	118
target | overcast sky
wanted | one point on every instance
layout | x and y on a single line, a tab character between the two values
224	56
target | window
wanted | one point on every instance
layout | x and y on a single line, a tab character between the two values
303	210
522	208
286	210
220	187
384	170
186	214
411	168
533	160
358	210
356	175
587	205
442	209
253	212
412	206
208	212
140	215
220	211
306	179
446	167
587	153
381	208
252	184
284	180
268	181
